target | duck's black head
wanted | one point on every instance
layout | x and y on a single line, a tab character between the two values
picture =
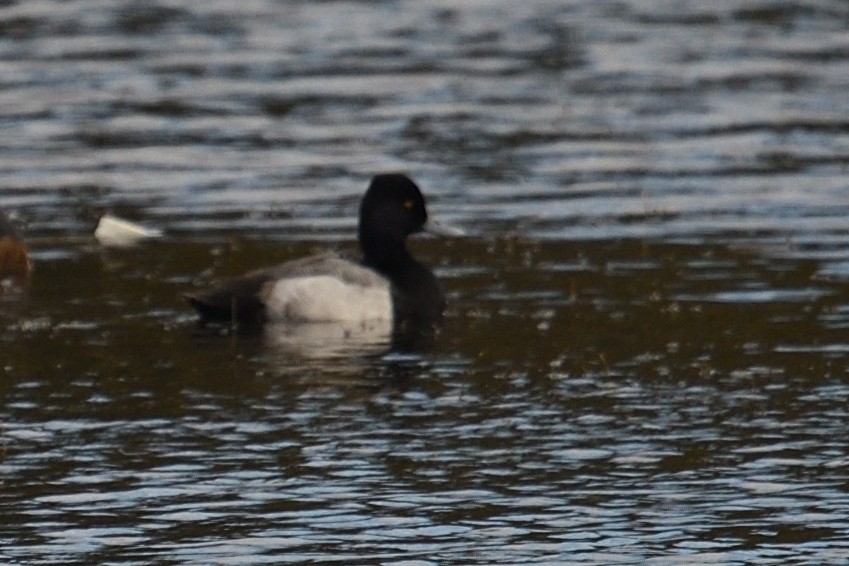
392	208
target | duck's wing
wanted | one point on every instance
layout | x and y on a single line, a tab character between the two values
235	302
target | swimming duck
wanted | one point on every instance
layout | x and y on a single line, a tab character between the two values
387	284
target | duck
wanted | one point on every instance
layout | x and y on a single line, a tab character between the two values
387	284
14	256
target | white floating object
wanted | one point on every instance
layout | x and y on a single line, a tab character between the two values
114	231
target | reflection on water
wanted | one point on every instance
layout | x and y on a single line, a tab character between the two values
331	340
644	357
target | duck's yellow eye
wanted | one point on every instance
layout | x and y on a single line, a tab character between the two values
408	204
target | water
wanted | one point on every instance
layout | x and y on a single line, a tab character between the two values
644	359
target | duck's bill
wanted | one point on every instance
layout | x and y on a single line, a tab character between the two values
434	227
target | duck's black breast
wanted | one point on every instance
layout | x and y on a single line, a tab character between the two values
417	297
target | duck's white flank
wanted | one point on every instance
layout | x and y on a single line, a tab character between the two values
326	298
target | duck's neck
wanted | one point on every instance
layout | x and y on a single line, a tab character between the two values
417	295
386	255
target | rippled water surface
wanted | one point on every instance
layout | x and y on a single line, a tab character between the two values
645	354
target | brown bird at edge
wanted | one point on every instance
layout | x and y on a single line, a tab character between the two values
14	257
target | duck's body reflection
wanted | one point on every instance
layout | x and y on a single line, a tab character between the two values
328	340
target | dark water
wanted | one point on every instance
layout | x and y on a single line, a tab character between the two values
645	357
